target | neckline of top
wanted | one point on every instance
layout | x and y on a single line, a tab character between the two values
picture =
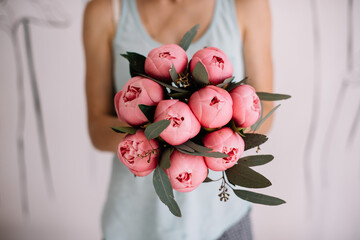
154	42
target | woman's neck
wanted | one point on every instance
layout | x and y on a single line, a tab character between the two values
174	17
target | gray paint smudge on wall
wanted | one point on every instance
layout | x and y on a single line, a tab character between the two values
49	14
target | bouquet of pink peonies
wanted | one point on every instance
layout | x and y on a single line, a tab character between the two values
186	118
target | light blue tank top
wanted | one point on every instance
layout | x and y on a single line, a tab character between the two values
133	210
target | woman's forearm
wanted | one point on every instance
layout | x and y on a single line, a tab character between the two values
102	136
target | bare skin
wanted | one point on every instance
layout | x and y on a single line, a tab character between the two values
98	34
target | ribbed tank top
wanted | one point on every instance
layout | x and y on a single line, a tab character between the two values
132	209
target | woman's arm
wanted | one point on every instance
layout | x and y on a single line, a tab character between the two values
254	21
98	32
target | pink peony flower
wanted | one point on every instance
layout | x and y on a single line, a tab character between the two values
212	106
226	141
186	172
159	61
184	124
246	105
139	154
116	104
137	90
217	65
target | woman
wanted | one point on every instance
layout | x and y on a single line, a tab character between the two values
241	28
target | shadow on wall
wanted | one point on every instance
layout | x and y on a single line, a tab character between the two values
44	13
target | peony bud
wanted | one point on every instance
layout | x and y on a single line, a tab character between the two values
246	105
138	153
137	90
212	106
216	63
226	141
184	124
159	61
186	172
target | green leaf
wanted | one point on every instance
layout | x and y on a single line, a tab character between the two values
207	179
165	84
192	148
244	176
200	74
233	85
188	37
253	140
136	62
185	148
197	147
226	81
264	96
244	80
164	190
179	95
266	117
256	125
236	129
258	198
173	73
255	160
204	154
156	128
148	111
165	158
130	130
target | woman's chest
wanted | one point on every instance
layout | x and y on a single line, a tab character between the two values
166	22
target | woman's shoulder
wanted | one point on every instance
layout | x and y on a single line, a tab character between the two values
252	13
99	16
254	5
99	8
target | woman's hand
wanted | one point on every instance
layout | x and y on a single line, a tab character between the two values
98	33
254	22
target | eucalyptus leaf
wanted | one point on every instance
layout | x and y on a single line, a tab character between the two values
156	128
173	73
207	179
258	198
244	176
197	147
253	140
130	130
215	154
200	74
226	81
204	154
185	148
165	158
148	111
165	84
236	129
264	96
164	190
266	117
188	37
136	62
179	95
233	85
256	125
244	81
255	160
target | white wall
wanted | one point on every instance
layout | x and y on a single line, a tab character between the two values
331	211
80	173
